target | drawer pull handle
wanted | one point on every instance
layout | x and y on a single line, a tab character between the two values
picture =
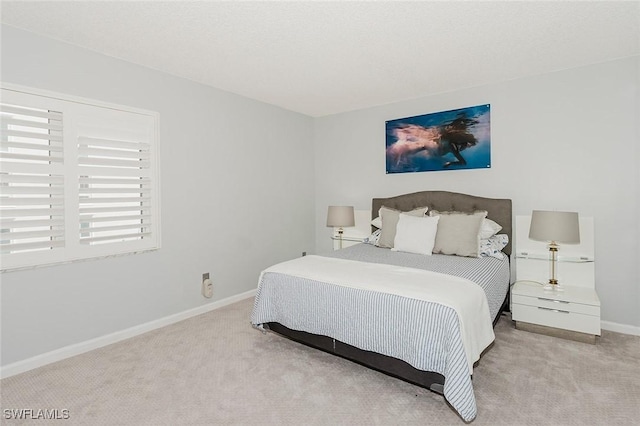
554	310
552	300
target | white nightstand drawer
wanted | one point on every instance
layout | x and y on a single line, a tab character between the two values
552	302
556	317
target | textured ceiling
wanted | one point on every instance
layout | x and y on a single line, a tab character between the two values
321	58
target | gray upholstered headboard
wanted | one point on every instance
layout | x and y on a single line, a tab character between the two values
499	210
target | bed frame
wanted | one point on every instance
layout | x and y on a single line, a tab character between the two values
499	210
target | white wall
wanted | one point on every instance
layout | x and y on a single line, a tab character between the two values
236	192
566	141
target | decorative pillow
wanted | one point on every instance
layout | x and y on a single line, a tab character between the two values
493	246
415	234
458	233
390	218
377	222
373	238
488	229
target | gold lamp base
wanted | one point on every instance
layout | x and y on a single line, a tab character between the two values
553	259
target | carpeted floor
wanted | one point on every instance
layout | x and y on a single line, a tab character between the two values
215	369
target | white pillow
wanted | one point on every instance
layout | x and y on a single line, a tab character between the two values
415	234
373	238
488	229
377	222
493	246
389	218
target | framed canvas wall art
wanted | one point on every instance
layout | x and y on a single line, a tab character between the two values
446	140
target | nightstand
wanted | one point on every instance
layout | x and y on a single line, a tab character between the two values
573	313
354	234
346	241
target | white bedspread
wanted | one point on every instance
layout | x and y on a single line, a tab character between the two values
465	297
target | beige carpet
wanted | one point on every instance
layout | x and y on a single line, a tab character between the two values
215	369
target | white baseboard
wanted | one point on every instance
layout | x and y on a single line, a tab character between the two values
89	345
620	328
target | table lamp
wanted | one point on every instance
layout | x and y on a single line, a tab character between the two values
554	227
339	217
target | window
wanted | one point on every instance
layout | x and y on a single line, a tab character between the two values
78	179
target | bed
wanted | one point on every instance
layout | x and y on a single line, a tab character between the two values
415	330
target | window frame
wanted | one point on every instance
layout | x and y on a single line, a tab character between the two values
104	119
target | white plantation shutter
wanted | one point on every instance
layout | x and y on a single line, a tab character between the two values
114	190
31	179
78	180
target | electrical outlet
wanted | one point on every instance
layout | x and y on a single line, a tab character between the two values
304	253
207	286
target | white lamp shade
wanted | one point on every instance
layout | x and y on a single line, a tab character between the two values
340	216
559	227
